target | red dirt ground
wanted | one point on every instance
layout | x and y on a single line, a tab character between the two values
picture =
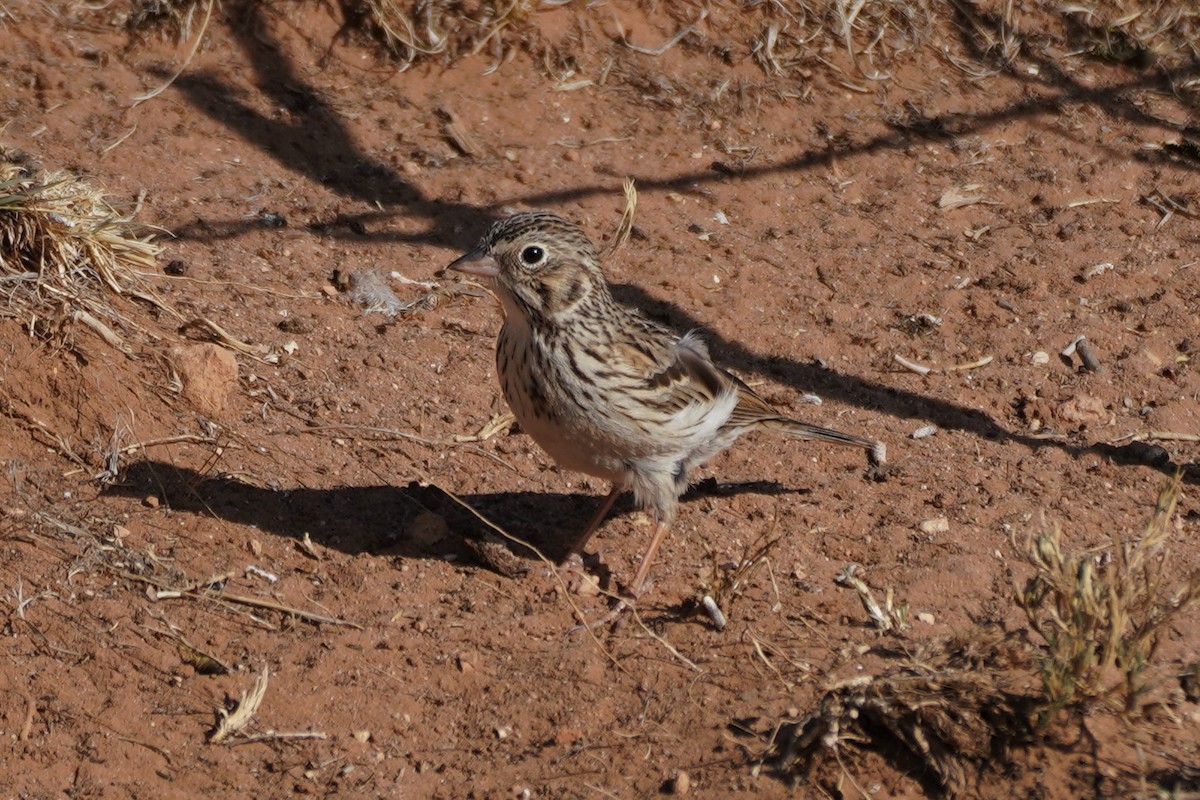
333	469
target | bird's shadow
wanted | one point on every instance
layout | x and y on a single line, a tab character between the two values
383	520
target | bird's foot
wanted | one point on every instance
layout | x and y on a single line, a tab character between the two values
615	616
579	574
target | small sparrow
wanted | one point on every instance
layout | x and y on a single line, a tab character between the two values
603	389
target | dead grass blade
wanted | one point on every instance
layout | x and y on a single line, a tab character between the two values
141	98
198	590
233	721
625	226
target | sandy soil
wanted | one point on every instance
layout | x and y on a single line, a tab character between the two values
335	490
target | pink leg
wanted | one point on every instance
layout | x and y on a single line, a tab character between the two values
595	521
639	580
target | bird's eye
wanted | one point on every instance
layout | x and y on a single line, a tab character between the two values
532	255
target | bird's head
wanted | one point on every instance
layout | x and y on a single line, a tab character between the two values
543	265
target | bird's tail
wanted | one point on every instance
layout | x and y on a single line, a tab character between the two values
876	450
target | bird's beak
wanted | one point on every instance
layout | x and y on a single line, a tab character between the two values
476	262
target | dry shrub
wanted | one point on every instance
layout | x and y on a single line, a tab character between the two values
949	709
958	707
1102	613
65	253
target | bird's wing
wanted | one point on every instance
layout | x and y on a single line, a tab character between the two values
683	375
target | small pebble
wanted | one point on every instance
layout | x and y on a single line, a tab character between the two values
935	525
924	431
681	784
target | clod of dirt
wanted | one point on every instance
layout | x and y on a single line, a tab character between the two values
208	374
1083	410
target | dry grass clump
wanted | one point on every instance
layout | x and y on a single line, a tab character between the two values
425	29
789	41
1102	613
65	253
1137	31
789	36
173	17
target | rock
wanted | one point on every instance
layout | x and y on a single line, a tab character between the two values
208	374
935	525
1083	410
681	784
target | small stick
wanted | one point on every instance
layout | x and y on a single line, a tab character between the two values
192	54
30	710
665	46
200	593
1159	436
661	640
103	331
279	735
920	369
982	362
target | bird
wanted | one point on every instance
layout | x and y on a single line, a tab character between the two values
603	389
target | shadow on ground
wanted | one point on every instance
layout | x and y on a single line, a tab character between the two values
379	519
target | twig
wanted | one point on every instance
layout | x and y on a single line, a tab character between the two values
411	437
183	438
278	735
1159	436
122	138
661	640
982	362
920	369
665	46
30	710
171	593
579	143
195	46
566	593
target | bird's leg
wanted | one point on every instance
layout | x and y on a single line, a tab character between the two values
597	518
639	580
571	568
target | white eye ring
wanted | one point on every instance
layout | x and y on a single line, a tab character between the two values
532	255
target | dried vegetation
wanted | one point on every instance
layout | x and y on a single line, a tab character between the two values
956	708
66	255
